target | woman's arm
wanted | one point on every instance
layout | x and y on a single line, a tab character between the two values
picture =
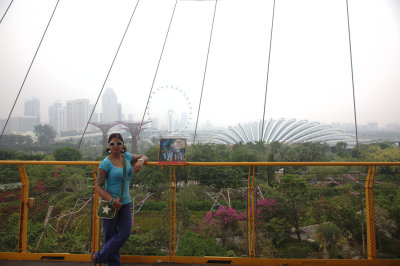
138	161
99	186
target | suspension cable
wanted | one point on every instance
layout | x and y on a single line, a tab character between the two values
104	83
352	74
158	66
266	84
205	71
29	69
6	11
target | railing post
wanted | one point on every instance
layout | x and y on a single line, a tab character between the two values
96	219
251	213
370	213
172	212
23	215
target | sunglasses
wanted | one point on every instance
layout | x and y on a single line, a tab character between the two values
115	143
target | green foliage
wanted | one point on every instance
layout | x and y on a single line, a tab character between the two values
18	155
193	245
143	243
151	205
204	205
13	142
67	154
331	240
243	153
301	201
9	174
45	134
219	177
296	249
9	233
341	149
278	229
295	197
206	152
384	153
8	154
154	179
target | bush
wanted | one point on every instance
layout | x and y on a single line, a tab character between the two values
151	205
204	205
193	245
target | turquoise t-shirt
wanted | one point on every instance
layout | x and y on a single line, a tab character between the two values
113	182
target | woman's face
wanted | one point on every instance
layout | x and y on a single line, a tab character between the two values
115	145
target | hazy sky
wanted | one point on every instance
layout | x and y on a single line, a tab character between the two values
310	74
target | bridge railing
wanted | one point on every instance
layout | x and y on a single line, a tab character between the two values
48	211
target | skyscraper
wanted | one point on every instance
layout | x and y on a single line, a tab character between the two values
32	107
61	114
53	116
110	109
77	114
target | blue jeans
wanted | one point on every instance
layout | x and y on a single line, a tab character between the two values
116	232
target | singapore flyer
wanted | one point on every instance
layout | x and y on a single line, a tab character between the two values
169	109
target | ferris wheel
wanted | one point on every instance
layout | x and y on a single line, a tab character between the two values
169	109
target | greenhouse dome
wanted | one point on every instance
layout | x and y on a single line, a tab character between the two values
286	131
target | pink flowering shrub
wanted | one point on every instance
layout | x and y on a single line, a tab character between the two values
266	208
227	222
39	187
208	218
227	216
224	220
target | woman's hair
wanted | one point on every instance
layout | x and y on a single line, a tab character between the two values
115	135
118	136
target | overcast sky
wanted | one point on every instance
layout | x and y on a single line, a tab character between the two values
309	77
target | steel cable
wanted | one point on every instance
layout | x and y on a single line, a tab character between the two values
266	85
205	71
158	66
29	69
104	83
352	74
6	11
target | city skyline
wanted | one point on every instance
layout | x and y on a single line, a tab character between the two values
309	67
81	112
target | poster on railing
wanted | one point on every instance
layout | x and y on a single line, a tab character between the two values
172	151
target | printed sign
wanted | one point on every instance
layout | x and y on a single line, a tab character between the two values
172	151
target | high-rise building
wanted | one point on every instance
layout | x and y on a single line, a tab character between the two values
77	114
53	116
20	124
61	114
32	108
110	109
119	112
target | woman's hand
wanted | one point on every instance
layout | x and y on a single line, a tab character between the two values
117	204
139	161
138	166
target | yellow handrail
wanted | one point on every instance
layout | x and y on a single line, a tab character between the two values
214	163
22	238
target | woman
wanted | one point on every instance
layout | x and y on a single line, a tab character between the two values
109	183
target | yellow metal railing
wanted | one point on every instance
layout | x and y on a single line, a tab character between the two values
26	202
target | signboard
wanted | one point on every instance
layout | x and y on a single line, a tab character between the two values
172	151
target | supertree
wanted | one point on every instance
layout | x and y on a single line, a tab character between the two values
104	127
134	128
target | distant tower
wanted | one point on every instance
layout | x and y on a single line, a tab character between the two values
77	114
61	114
104	127
170	121
134	128
110	107
53	117
32	107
